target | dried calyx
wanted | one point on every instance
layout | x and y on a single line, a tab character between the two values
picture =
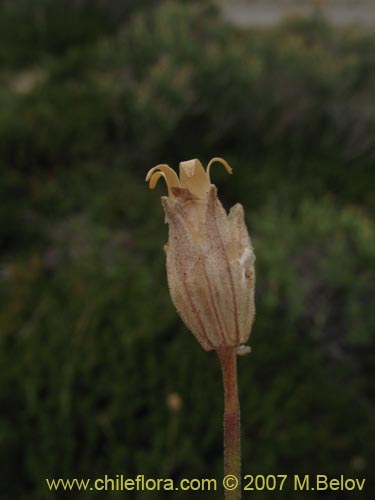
210	259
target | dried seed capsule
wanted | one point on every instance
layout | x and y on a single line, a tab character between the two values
210	259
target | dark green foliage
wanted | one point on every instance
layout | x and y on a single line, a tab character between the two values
90	344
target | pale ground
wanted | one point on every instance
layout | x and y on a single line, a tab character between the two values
267	12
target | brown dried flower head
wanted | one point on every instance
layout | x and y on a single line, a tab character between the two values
210	259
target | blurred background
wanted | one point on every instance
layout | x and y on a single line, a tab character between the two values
98	375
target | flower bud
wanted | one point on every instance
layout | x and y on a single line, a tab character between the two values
210	259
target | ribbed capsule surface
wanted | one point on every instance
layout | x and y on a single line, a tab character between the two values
210	259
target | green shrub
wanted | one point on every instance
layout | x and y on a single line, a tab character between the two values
91	347
179	79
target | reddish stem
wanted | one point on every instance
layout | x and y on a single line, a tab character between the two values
232	428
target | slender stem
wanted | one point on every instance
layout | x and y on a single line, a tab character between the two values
232	428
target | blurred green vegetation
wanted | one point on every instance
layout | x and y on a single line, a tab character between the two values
93	94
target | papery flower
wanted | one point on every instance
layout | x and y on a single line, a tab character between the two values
210	259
